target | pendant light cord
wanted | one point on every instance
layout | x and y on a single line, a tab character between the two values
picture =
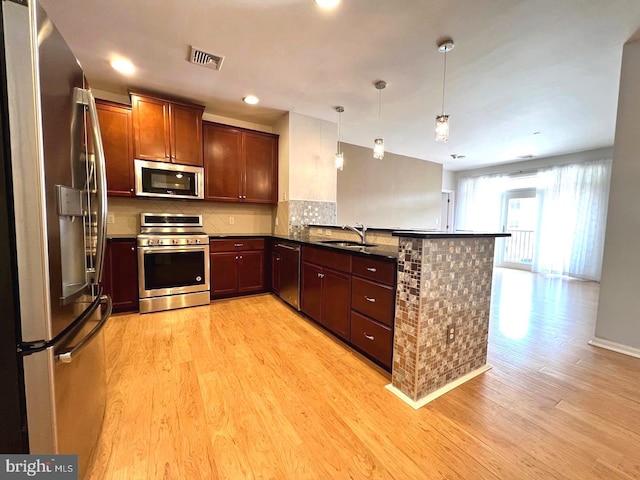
339	115
444	79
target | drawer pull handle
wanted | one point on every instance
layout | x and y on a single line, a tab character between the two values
369	337
370	299
371	269
321	275
238	244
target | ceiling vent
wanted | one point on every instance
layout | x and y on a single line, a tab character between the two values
209	60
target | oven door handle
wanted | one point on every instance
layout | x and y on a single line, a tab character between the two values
174	249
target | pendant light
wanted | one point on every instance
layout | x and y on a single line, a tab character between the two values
442	120
339	154
378	143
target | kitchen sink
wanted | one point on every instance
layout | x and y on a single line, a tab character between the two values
347	243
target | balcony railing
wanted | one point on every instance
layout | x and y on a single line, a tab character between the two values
519	247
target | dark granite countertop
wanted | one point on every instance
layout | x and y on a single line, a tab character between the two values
383	252
428	234
121	237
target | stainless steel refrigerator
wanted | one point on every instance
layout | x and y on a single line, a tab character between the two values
52	239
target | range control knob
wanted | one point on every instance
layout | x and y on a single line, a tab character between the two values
175	241
150	242
198	240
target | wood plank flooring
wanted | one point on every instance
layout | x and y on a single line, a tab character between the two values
248	389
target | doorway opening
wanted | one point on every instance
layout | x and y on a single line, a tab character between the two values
520	219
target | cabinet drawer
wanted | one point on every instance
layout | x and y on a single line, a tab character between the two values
327	258
236	245
374	300
376	270
372	338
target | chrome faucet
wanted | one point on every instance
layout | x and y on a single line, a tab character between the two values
360	229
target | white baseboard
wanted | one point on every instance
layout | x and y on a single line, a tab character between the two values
416	404
615	347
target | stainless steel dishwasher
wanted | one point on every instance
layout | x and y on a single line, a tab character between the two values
288	272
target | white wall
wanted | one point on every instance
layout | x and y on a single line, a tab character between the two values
618	311
397	192
448	180
312	173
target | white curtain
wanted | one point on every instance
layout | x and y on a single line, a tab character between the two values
479	203
572	206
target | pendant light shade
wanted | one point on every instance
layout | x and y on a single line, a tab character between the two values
442	128
378	143
378	148
442	120
339	155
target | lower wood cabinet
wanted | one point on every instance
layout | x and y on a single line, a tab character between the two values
353	297
236	266
372	338
120	276
326	297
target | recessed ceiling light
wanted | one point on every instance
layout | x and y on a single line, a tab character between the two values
251	99
327	3
123	66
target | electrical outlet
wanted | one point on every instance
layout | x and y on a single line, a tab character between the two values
111	218
276	221
451	333
232	221
328	232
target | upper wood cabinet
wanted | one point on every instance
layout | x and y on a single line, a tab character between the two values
240	165
116	129
166	131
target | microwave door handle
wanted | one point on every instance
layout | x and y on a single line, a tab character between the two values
86	98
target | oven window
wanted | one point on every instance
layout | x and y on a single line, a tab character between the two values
169	182
173	269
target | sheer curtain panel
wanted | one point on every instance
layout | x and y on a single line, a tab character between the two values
572	202
479	204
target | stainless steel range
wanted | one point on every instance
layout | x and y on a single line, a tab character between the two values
173	262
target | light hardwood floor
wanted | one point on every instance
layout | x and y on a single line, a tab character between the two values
248	389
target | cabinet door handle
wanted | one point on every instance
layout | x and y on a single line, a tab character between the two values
238	244
133	249
371	269
369	337
321	275
240	257
370	299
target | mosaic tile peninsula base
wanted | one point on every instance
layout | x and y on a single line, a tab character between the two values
441	282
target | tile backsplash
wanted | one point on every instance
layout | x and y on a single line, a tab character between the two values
302	213
218	218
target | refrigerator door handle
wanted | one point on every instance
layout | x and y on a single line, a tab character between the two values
85	97
27	348
72	352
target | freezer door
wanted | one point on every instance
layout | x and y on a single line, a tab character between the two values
54	180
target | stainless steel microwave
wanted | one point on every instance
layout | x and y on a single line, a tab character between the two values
168	180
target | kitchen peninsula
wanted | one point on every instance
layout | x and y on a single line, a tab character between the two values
442	312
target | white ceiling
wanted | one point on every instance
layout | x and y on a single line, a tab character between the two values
518	66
